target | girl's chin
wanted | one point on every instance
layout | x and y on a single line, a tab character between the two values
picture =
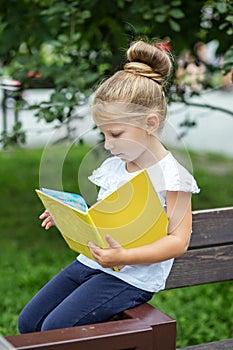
123	158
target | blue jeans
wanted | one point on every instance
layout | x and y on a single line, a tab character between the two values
77	296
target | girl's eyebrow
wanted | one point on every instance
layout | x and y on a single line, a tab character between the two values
111	129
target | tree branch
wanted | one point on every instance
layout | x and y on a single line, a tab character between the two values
206	105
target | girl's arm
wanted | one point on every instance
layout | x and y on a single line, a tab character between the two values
179	212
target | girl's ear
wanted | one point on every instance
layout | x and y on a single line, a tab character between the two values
152	123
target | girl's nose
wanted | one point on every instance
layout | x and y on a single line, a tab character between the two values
108	144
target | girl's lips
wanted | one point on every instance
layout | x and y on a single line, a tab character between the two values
121	156
117	155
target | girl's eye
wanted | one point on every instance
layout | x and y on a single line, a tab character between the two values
116	134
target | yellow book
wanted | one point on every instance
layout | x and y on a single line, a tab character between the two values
132	215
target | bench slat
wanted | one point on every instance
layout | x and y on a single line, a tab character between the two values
217	345
202	266
212	227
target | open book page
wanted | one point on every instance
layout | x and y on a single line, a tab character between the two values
72	199
71	222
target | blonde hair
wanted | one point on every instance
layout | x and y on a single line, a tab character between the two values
137	90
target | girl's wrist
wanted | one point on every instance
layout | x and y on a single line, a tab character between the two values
127	257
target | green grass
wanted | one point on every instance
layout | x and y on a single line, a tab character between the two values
30	256
203	313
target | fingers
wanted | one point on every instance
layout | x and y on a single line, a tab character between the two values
47	220
112	243
91	245
110	257
44	215
95	251
93	248
47	224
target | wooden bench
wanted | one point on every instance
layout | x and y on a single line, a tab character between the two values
208	259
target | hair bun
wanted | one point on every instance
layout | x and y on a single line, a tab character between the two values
149	61
143	69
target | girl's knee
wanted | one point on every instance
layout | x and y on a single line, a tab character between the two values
30	320
51	323
25	324
55	321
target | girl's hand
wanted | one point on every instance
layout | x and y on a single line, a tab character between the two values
47	220
111	257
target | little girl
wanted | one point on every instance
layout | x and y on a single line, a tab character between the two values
129	108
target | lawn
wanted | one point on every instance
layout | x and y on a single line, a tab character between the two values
30	256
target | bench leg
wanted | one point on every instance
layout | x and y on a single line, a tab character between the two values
163	326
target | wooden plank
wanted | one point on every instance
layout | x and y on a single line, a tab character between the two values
212	227
202	266
217	345
124	334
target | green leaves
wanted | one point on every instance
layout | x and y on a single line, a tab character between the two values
75	44
165	13
223	15
174	25
228	61
15	137
221	6
176	13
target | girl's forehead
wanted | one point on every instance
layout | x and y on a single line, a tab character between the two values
120	122
113	125
116	127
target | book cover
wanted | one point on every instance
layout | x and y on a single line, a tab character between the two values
132	215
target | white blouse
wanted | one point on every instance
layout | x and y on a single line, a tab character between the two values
166	175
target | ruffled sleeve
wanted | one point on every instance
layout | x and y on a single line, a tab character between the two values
170	175
110	176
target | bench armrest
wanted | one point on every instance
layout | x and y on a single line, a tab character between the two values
141	328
